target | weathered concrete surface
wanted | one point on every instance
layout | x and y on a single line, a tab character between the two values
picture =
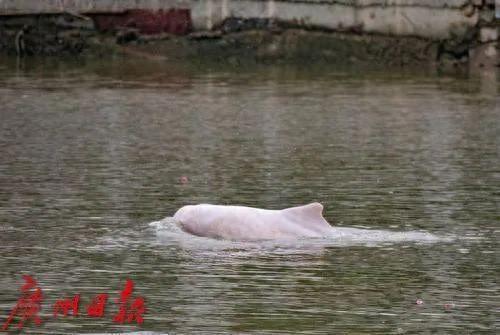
419	21
16	7
436	19
485	54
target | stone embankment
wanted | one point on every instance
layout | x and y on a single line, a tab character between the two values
441	33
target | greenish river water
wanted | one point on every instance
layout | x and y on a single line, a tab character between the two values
91	153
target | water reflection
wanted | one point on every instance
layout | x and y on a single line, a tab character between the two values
92	152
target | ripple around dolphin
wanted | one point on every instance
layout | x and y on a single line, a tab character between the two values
168	231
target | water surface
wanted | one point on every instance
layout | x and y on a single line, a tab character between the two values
91	153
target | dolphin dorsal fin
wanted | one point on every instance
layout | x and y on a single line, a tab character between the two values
312	210
309	216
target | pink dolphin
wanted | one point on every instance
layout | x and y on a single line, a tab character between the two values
249	224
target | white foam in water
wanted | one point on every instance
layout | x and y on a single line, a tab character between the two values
168	231
356	235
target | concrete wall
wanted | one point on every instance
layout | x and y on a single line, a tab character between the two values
370	16
434	19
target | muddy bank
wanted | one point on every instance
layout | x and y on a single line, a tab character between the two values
290	46
235	41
